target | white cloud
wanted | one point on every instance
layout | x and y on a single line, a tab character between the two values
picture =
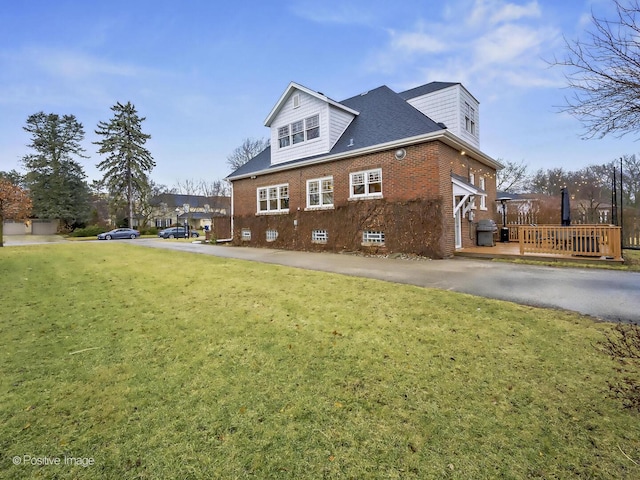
491	12
497	41
338	13
417	42
509	43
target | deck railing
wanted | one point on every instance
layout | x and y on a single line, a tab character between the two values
581	240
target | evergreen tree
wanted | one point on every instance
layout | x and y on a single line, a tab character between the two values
128	162
55	180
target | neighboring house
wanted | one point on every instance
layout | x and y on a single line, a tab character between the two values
196	210
380	171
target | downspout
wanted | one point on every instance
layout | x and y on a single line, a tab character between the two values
226	240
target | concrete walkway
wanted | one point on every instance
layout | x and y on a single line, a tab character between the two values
605	294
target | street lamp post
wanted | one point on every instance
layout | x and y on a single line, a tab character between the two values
177	222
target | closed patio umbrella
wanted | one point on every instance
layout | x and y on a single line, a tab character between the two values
565	210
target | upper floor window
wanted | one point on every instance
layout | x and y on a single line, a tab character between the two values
469	118
283	136
320	192
300	131
312	125
273	199
366	184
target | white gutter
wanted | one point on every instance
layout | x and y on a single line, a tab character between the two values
444	135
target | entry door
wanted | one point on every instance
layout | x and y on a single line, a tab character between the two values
458	228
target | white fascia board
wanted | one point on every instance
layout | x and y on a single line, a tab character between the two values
462	188
295	86
443	135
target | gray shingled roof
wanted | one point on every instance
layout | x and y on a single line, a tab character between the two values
425	89
384	116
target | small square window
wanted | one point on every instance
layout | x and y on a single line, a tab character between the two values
245	234
319	236
272	235
373	237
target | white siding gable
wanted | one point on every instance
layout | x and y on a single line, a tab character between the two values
322	119
448	106
288	114
339	120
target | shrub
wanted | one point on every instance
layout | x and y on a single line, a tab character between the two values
623	345
149	231
90	231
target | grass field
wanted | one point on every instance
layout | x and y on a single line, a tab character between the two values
144	363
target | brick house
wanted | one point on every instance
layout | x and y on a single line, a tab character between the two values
380	171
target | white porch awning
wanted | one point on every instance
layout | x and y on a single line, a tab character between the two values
462	188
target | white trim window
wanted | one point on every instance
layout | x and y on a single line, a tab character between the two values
319	236
312	127
469	118
283	136
299	131
372	237
483	197
320	192
274	199
366	184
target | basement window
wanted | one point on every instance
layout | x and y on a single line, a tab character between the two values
272	235
372	237
245	234
319	236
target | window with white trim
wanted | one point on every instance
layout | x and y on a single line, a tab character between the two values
320	192
469	118
245	234
312	127
273	199
283	136
272	235
372	237
319	236
299	131
366	184
483	198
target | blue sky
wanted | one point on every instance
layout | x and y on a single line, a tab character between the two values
206	74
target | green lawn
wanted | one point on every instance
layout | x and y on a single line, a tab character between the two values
158	364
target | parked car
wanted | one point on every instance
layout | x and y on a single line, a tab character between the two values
119	233
177	232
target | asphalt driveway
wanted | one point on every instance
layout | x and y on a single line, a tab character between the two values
610	295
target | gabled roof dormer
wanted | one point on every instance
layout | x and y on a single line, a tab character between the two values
305	123
451	104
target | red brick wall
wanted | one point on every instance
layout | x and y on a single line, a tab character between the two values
417	203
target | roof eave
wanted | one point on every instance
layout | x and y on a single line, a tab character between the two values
296	86
444	135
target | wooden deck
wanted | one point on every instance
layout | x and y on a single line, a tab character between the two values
511	250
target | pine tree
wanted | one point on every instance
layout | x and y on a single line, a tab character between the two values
55	180
128	162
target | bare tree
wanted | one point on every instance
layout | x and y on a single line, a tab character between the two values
604	73
188	186
513	177
250	148
216	188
